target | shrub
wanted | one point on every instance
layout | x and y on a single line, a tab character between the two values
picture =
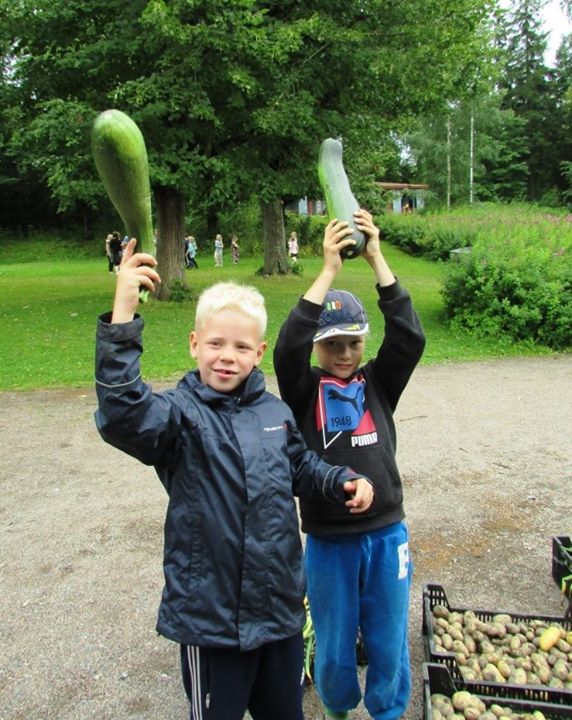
516	288
420	235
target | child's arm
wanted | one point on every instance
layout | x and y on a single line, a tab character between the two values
313	475
336	237
372	250
137	269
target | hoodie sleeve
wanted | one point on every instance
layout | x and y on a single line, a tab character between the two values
314	476
129	415
293	352
403	341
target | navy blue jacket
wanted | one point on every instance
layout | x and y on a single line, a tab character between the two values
231	465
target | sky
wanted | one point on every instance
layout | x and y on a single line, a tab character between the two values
557	24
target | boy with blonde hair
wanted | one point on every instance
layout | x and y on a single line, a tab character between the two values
231	459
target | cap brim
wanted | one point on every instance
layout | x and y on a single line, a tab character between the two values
353	329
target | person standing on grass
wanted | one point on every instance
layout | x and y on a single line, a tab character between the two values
193	253
231	460
358	567
108	252
218	244
115	249
235	250
293	247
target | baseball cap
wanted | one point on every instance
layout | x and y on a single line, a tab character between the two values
343	314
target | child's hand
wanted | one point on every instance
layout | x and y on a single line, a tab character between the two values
364	222
336	237
137	270
361	491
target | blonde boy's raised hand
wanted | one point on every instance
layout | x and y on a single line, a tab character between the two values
137	270
361	491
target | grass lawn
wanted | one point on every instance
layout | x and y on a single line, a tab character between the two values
49	310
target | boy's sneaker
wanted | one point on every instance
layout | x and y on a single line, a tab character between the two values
331	715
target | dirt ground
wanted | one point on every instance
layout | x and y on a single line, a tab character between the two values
485	451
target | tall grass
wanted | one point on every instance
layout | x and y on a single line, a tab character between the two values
49	309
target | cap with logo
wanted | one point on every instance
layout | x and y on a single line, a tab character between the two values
343	314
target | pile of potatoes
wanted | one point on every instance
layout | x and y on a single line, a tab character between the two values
531	652
465	706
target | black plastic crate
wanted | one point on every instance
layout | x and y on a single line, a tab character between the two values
562	562
434	594
437	679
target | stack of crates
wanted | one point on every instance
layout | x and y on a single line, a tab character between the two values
442	673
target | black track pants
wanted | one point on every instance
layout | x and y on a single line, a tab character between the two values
222	684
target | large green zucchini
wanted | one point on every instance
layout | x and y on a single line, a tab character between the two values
340	201
121	159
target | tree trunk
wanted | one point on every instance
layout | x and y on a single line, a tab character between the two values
472	154
274	236
170	240
448	163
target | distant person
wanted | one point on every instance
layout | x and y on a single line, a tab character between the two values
231	460
108	254
218	244
235	250
115	251
192	252
293	247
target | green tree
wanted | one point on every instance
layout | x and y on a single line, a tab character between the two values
233	97
529	91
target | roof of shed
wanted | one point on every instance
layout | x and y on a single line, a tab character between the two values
401	186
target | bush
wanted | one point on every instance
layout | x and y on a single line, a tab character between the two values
519	289
420	236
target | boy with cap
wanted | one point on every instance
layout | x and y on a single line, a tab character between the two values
358	567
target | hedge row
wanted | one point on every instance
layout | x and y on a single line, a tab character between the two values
514	277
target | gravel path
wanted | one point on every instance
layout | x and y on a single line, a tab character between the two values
485	451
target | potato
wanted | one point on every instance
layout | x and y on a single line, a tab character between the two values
518	677
504	668
549	638
468	674
460	648
560	670
447	641
472	713
470	644
461	699
544	673
491	672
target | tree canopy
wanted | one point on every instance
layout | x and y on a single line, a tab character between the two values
233	96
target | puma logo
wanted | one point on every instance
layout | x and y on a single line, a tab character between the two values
333	394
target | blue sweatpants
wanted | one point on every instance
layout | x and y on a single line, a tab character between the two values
361	581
